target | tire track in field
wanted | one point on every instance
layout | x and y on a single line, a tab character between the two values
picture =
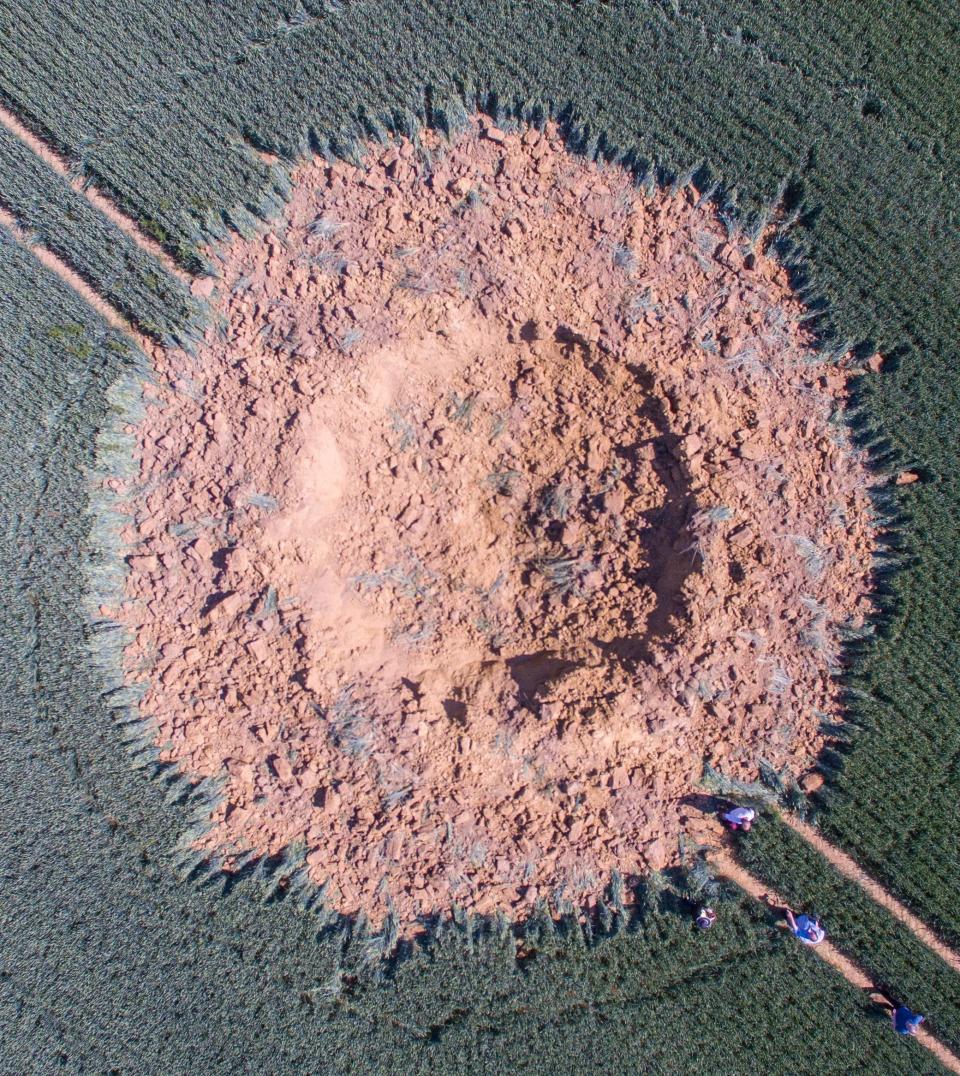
854	974
94	196
854	873
73	280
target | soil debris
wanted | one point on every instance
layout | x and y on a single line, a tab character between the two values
503	497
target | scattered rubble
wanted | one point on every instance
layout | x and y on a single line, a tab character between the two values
504	496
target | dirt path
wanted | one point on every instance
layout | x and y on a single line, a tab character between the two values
850	971
849	869
92	195
70	278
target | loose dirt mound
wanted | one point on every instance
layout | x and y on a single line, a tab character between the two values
502	496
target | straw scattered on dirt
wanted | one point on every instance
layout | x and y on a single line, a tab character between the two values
504	495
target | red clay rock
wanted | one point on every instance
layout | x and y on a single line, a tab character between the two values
812	782
489	534
875	363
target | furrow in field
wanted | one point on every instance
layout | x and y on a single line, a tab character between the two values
71	278
93	196
849	869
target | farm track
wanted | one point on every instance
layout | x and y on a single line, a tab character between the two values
94	196
850	870
795	97
71	278
854	975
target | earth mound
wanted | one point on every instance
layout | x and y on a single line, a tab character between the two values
502	496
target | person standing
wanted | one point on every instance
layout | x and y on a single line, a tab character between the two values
806	928
706	917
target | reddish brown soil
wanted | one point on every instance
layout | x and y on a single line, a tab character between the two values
503	496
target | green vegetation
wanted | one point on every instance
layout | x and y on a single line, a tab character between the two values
861	928
853	101
852	111
135	283
894	803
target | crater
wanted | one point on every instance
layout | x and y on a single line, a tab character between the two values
487	503
503	495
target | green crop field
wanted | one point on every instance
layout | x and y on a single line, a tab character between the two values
862	929
111	961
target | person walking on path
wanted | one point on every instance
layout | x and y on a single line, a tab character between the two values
806	928
906	1022
740	818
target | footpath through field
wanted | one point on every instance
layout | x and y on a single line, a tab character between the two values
850	870
726	866
95	197
69	277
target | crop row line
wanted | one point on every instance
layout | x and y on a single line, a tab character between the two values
94	196
72	279
852	972
850	869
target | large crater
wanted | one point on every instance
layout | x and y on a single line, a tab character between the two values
502	496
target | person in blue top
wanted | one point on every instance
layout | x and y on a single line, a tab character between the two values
905	1021
806	928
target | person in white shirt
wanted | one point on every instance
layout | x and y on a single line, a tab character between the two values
806	928
706	917
740	818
